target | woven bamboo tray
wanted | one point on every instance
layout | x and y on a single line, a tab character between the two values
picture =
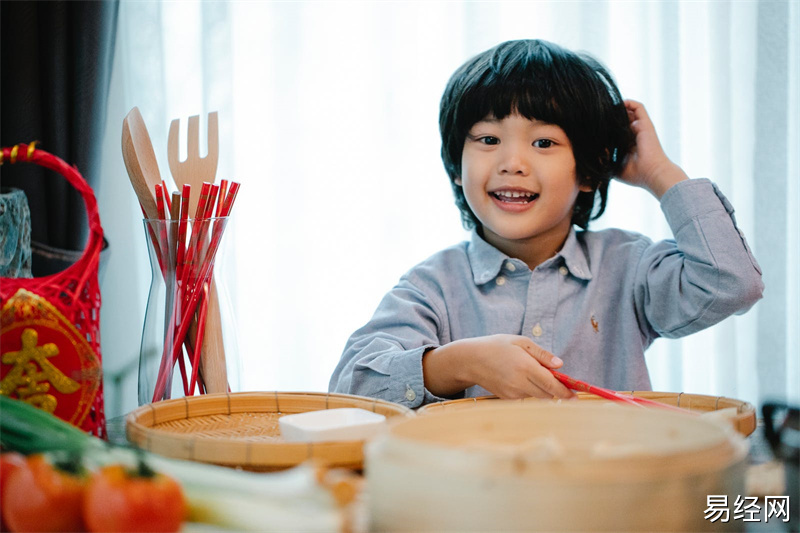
744	422
241	429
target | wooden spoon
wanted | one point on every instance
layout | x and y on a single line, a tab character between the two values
140	161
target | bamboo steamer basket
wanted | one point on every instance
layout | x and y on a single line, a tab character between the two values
475	469
744	421
242	430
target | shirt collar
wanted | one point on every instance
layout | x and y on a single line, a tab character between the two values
575	257
486	261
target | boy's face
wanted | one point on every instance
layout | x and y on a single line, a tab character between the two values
519	179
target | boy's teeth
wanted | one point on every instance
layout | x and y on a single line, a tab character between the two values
518	196
513	194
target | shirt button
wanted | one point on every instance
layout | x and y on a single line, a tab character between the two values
510	267
563	271
410	394
500	280
537	330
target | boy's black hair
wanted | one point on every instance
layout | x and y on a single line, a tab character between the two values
540	80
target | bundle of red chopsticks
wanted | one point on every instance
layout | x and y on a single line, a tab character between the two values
186	249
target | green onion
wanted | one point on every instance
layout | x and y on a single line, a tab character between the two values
291	500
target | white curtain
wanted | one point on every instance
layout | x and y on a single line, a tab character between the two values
328	117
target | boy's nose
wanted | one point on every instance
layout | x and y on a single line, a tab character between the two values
513	161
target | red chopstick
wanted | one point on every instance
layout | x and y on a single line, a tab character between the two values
184	223
198	339
229	198
223	189
202	238
160	201
191	251
582	386
166	195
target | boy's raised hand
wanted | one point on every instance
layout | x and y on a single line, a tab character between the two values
509	366
647	165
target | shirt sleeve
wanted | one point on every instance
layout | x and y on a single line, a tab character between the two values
383	359
705	274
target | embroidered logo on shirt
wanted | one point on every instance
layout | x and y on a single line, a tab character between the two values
595	324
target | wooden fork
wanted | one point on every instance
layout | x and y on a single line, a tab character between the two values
194	171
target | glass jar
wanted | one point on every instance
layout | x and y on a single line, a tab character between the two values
189	337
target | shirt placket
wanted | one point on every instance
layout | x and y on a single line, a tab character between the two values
540	308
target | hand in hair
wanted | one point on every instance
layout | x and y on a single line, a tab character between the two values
509	366
647	166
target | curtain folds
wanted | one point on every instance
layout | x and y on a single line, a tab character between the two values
56	68
772	157
328	116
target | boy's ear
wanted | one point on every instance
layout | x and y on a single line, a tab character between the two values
585	188
457	181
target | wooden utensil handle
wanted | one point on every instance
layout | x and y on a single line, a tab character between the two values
212	359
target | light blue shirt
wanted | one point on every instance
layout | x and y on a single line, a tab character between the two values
597	304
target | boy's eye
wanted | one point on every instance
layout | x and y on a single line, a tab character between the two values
543	143
488	139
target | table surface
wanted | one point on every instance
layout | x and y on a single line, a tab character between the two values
759	456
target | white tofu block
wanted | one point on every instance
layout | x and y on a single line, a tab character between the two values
331	425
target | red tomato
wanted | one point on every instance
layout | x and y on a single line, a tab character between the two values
121	500
9	462
41	497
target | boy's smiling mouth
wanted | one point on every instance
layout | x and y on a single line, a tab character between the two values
514	196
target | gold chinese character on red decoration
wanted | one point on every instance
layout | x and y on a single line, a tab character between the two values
53	366
32	374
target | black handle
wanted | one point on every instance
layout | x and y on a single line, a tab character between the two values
782	430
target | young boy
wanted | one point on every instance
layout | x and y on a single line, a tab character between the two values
531	135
